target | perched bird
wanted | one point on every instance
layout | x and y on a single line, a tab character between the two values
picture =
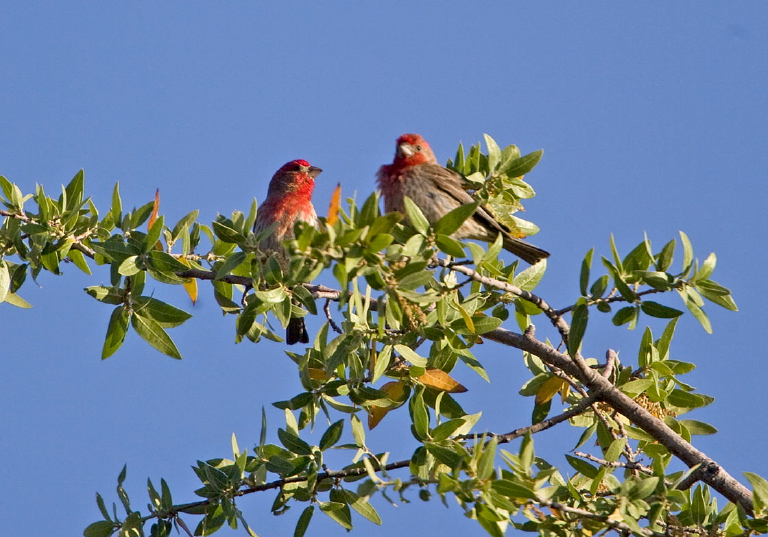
436	190
289	200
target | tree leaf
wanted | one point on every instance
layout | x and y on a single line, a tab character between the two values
580	316
654	309
410	355
151	332
494	153
523	165
5	280
418	221
337	513
164	314
586	264
439	379
116	331
293	443
453	220
303	522
334	206
331	435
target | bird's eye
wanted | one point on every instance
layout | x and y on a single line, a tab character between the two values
297	168
418	148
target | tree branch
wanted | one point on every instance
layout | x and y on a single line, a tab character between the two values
709	471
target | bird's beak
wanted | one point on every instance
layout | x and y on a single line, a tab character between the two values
404	150
314	171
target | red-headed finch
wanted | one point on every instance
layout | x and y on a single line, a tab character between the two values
436	190
289	200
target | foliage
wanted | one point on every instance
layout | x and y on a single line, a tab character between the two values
413	303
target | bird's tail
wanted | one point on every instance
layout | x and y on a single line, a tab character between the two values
525	251
296	331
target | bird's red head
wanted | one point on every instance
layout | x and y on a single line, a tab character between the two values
294	176
299	166
412	150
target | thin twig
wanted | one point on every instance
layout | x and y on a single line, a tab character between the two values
327	310
636	466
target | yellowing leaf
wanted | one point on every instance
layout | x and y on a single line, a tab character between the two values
190	286
394	391
317	374
437	378
152	218
155	209
375	415
549	389
333	209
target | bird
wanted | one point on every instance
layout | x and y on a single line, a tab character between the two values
436	190
289	200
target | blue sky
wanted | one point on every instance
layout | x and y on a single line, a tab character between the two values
653	119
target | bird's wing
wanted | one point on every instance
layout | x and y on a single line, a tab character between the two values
452	184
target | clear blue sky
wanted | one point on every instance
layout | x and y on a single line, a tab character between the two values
653	118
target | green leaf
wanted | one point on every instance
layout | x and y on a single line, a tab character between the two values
102	528
231	263
337	513
453	220
331	435
362	506
687	253
130	266
760	491
485	466
294	443
410	355
107	295
358	432
597	290
74	192
627	314
77	257
585	268
15	300
449	245
494	153
618	281
5	280
303	522
419	415
418	221
706	269
185	222
164	314
165	262
666	256
698	427
513	491
116	331
580	315
227	234
116	211
523	165
582	466
151	332
529	278
654	309
485	324
716	293
154	234
683	399
415	280
689	298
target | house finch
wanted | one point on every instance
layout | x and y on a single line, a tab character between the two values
289	200
437	190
